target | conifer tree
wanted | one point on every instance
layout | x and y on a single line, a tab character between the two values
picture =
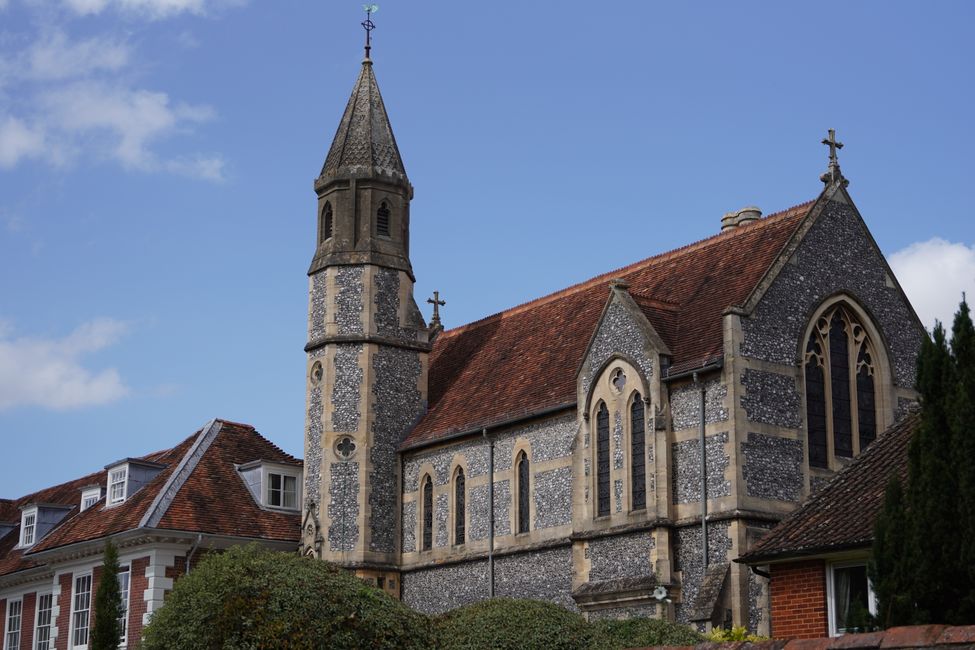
891	581
962	421
107	630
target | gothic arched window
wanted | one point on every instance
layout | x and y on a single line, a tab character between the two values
327	221
839	373
638	455
427	513
524	485
602	461
460	519
382	220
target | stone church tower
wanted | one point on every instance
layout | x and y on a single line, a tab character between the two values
367	344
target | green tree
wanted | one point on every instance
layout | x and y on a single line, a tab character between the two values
107	630
924	554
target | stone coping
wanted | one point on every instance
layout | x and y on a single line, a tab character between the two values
917	636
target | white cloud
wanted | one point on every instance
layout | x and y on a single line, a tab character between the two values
934	274
154	9
55	57
49	373
19	141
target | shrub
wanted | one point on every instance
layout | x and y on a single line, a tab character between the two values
248	598
640	633
510	624
737	633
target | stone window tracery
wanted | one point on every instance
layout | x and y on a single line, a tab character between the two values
841	389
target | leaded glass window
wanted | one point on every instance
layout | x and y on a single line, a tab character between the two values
427	513
602	461
524	505
841	390
460	519
638	454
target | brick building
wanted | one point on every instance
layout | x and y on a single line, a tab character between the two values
817	557
554	450
224	485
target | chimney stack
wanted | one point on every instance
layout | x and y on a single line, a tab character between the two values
740	217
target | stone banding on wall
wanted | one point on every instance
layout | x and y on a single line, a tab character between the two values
685	404
773	467
686	475
836	256
771	398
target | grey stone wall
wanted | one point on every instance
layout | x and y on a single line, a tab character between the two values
409	526
835	256
345	389
348	300
313	439
617	440
387	304
549	439
772	467
621	556
317	306
343	506
685	404
686	477
771	398
904	406
618	613
618	334
553	497
396	375
541	575
692	560
441	514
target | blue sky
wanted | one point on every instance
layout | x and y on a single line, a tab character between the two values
157	156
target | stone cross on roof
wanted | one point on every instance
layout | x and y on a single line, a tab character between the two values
834	164
437	304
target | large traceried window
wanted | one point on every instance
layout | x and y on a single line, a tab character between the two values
638	454
427	514
524	490
841	387
460	518
602	461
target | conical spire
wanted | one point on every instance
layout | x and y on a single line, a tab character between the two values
364	145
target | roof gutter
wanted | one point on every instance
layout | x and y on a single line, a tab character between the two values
707	367
497	425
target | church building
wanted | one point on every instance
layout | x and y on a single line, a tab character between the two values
612	447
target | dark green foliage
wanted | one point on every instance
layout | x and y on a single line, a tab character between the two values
509	624
249	598
924	552
640	633
107	629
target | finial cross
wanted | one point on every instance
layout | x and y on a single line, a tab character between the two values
437	304
368	25
833	146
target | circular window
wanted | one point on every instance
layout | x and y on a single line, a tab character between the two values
345	447
317	372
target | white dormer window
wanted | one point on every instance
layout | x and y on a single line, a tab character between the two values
116	484
282	491
90	497
28	527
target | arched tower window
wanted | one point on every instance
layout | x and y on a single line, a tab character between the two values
427	507
326	221
524	505
460	515
382	220
602	461
839	373
638	454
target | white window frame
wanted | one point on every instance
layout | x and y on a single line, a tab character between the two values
8	617
74	627
118	476
90	497
126	592
831	596
25	539
283	473
37	621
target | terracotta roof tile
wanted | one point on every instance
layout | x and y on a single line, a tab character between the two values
842	514
524	360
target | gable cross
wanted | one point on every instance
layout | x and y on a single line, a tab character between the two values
834	163
437	304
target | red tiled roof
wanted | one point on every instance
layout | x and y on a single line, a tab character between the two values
213	499
524	360
842	514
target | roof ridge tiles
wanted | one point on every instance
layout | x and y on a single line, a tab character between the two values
629	268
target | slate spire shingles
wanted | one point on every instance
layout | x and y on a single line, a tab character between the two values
364	145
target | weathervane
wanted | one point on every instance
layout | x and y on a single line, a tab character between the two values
368	25
834	164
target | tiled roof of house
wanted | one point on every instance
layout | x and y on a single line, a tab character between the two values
212	499
524	360
841	516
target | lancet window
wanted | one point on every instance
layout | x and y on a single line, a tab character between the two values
460	519
382	220
638	454
602	461
841	387
524	485
327	221
427	513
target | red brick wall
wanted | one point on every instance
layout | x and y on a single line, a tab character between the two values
799	600
3	619
64	617
138	583
27	622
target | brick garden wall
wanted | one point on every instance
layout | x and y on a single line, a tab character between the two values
798	595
